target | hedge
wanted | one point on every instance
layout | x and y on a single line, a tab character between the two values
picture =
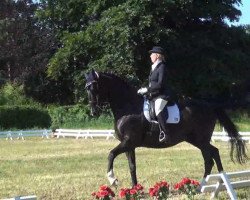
24	117
78	116
74	116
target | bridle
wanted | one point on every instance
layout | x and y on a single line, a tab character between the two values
97	95
95	101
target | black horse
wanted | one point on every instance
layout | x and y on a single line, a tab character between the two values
133	130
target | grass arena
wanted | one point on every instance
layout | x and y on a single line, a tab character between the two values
73	169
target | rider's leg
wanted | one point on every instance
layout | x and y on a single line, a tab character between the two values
164	132
161	117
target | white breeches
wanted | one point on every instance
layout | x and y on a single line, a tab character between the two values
159	105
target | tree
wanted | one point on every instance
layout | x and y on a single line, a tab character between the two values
26	47
205	55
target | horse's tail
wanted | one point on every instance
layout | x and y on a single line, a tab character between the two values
238	147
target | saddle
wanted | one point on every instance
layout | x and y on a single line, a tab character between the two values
171	110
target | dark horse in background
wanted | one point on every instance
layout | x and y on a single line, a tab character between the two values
133	130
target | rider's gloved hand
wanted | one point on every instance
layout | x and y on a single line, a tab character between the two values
142	91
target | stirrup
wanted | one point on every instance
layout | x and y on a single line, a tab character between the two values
162	136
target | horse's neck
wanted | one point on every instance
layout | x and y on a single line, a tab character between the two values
123	98
125	105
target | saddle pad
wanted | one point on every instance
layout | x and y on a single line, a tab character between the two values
173	112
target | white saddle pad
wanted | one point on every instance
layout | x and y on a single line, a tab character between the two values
173	113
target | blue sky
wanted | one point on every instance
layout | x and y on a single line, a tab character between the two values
245	11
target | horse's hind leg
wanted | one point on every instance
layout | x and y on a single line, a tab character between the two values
207	153
132	165
121	148
208	159
216	156
210	154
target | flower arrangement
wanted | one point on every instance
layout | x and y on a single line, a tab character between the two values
188	187
134	193
160	190
104	193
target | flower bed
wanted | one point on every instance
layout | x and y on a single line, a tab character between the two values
187	186
160	191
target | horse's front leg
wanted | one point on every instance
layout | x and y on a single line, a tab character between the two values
121	148
132	166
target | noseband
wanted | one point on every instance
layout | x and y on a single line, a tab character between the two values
89	84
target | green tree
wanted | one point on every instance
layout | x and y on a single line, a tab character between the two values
205	55
26	47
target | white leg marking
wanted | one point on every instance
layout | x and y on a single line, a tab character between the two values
111	178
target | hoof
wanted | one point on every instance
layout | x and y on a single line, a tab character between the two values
112	180
114	183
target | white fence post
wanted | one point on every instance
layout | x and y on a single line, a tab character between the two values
224	181
45	134
20	135
9	136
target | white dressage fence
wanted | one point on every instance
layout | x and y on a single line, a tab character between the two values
222	136
32	197
84	133
215	183
25	133
81	133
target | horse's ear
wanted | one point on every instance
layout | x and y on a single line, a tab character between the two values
94	73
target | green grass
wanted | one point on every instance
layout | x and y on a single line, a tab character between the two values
73	169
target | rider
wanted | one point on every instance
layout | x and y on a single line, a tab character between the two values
157	90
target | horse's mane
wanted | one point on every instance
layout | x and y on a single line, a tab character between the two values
118	78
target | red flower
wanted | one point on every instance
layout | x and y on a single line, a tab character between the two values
104	187
123	192
186	181
138	187
187	186
177	186
194	182
152	192
104	192
133	191
164	183
160	190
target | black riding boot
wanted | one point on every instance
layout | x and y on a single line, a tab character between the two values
164	132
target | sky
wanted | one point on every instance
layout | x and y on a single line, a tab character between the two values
245	11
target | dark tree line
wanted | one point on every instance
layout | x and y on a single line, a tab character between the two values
26	47
53	43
